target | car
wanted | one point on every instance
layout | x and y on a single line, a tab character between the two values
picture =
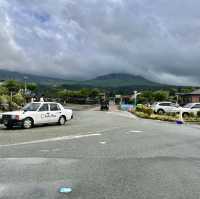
36	113
190	108
165	107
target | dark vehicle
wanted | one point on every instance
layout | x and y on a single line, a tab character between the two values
104	104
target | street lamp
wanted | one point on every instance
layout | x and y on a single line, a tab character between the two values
25	84
135	97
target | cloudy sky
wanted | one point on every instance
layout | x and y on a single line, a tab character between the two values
158	39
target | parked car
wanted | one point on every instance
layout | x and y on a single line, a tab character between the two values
190	108
165	107
37	113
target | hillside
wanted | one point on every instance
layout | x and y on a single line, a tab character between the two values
120	80
6	75
106	81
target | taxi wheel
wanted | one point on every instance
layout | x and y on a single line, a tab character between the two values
27	123
62	120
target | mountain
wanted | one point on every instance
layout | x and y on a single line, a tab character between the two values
6	75
115	80
120	80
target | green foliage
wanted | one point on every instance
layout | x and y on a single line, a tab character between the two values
160	95
32	87
186	90
13	85
85	92
157	117
191	114
3	90
152	96
94	92
4	99
198	114
18	99
146	97
144	109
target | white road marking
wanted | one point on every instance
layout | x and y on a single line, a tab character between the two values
135	131
2	188
123	114
103	142
52	140
70	137
56	150
44	151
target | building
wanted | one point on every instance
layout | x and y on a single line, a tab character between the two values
193	97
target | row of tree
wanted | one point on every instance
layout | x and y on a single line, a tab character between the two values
13	95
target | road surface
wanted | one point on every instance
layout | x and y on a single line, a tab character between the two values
101	155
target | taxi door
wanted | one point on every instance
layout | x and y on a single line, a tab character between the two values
55	112
44	114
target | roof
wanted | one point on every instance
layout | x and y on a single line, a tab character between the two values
195	92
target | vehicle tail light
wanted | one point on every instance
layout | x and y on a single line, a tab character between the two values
17	117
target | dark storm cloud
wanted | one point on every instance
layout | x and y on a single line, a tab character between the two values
158	39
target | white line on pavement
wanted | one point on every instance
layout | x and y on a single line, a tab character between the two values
134	131
103	142
123	114
52	139
70	137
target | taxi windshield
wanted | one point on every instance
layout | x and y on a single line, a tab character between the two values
31	107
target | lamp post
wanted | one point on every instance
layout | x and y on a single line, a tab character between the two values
135	97
25	84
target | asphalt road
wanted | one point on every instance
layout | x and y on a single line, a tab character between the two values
101	155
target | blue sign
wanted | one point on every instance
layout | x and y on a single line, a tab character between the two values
65	190
127	107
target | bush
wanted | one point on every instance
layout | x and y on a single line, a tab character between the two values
198	114
144	109
172	114
4	102
191	115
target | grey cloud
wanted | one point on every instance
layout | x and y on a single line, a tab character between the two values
85	38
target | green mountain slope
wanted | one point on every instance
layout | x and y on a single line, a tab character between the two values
120	80
106	81
6	75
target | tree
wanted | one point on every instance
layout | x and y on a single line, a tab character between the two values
94	92
32	87
146	97
84	92
160	95
18	99
3	90
13	85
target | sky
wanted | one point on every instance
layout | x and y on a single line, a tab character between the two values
157	39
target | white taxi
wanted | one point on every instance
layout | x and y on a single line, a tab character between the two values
37	113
